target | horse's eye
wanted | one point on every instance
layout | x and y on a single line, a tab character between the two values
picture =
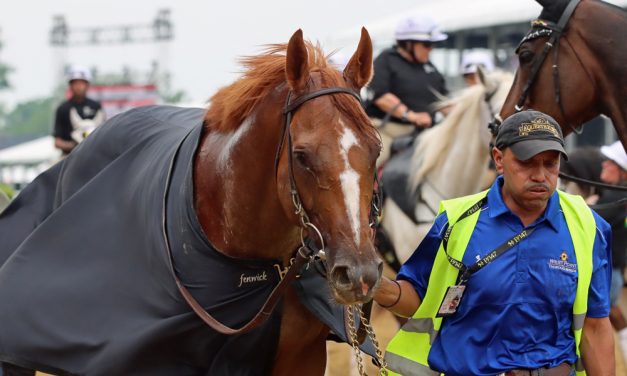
525	56
301	158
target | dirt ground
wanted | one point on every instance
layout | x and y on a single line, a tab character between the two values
342	360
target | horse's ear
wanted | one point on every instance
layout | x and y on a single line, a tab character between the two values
296	64
358	71
544	2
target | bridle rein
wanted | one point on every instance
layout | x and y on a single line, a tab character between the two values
305	254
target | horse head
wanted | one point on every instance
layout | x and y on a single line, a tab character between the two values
329	164
555	67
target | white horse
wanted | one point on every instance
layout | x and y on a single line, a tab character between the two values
449	160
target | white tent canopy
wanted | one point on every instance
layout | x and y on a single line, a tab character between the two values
30	153
20	164
452	15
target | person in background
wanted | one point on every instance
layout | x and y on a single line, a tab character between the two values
406	85
471	61
78	116
614	171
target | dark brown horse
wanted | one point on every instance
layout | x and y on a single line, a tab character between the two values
92	250
581	65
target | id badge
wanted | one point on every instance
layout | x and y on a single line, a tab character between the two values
451	301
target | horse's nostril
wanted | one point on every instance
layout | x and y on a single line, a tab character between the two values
340	276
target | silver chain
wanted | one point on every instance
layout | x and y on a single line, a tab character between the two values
355	343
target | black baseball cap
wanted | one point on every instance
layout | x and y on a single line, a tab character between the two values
528	133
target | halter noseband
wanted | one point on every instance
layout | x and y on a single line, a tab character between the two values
541	28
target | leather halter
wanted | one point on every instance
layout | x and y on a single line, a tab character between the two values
554	32
304	254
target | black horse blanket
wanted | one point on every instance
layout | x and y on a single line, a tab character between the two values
86	284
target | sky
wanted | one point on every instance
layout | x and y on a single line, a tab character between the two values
209	36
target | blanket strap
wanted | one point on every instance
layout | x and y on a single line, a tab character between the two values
303	256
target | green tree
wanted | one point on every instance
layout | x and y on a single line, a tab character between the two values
4	76
28	120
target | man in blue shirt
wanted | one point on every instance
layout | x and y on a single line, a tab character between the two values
515	313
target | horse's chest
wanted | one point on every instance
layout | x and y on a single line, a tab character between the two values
302	342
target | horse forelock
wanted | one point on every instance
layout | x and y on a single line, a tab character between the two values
553	9
265	73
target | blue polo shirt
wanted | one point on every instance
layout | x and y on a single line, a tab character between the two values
517	311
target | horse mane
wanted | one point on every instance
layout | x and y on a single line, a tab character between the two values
263	74
434	144
552	9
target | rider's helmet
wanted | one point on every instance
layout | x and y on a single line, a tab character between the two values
616	153
419	29
78	72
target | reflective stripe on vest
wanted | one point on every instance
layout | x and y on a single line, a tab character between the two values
408	351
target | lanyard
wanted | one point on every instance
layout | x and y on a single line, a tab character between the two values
467	271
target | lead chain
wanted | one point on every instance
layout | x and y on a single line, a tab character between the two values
355	343
383	370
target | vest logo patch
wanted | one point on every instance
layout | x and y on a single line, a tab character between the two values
563	264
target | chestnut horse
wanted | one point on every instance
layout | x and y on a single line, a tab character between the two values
283	153
573	65
334	148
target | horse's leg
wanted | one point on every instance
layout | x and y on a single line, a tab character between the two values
302	343
13	370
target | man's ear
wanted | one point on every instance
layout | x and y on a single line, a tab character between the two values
497	156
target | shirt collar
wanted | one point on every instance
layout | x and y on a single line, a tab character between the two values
496	205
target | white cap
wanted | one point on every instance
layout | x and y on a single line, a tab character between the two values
78	72
472	59
419	28
616	152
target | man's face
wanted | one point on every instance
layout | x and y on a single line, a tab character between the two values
79	88
528	183
611	172
471	79
422	51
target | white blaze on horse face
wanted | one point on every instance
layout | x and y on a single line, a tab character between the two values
349	180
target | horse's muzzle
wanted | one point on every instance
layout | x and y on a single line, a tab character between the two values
355	282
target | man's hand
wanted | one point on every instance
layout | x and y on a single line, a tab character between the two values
65	145
399	297
420	119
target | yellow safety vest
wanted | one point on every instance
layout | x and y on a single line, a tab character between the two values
408	351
